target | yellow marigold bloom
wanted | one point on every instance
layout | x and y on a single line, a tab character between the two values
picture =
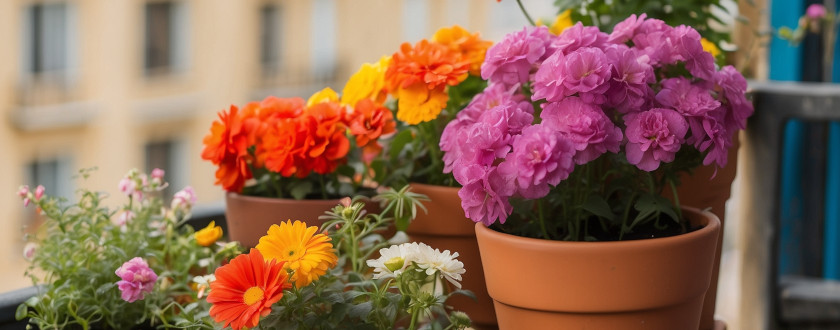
307	254
710	47
209	234
367	83
563	21
419	104
322	96
471	46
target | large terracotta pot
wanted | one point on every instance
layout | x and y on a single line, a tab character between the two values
642	284
248	217
445	227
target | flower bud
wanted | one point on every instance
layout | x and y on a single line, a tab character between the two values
460	320
29	251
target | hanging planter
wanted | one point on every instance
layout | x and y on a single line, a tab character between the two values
647	284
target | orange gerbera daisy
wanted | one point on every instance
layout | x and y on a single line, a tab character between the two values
245	289
227	146
307	254
430	63
471	47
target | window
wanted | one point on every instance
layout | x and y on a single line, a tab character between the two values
165	41
270	38
169	156
323	37
48	40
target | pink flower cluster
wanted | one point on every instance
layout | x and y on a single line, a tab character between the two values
644	91
136	279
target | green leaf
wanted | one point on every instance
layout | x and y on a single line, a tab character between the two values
596	205
399	143
21	312
301	189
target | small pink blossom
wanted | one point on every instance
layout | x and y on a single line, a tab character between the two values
626	29
128	186
815	11
123	218
137	279
184	199
485	197
39	192
511	60
579	36
23	191
29	251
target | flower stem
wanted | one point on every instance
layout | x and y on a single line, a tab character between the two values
414	314
542	219
525	12
323	186
676	199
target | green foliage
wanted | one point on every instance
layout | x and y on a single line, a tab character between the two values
80	247
700	14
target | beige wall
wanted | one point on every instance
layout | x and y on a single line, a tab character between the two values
112	110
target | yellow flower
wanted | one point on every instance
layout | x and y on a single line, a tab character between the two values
367	83
307	254
561	22
324	95
418	104
710	47
208	235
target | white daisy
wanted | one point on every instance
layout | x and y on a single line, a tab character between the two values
392	260
444	263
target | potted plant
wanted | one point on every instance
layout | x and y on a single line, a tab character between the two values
426	84
345	275
292	158
135	266
582	134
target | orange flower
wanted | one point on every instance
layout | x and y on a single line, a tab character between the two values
227	146
369	121
326	144
245	289
419	104
430	63
280	147
471	47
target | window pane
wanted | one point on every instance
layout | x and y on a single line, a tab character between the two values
48	37
158	41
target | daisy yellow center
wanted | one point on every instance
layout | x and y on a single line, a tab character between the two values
253	296
292	253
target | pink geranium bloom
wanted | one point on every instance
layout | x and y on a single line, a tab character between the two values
586	126
510	61
137	279
485	196
654	136
541	157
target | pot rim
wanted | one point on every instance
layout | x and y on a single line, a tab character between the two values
708	220
238	196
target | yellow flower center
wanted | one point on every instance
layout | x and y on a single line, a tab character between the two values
253	296
292	253
395	263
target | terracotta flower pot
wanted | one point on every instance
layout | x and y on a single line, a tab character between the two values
642	284
248	217
445	227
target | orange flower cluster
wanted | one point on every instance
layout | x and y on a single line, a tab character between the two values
285	136
418	75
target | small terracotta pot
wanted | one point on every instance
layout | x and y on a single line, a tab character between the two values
445	227
248	217
647	284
